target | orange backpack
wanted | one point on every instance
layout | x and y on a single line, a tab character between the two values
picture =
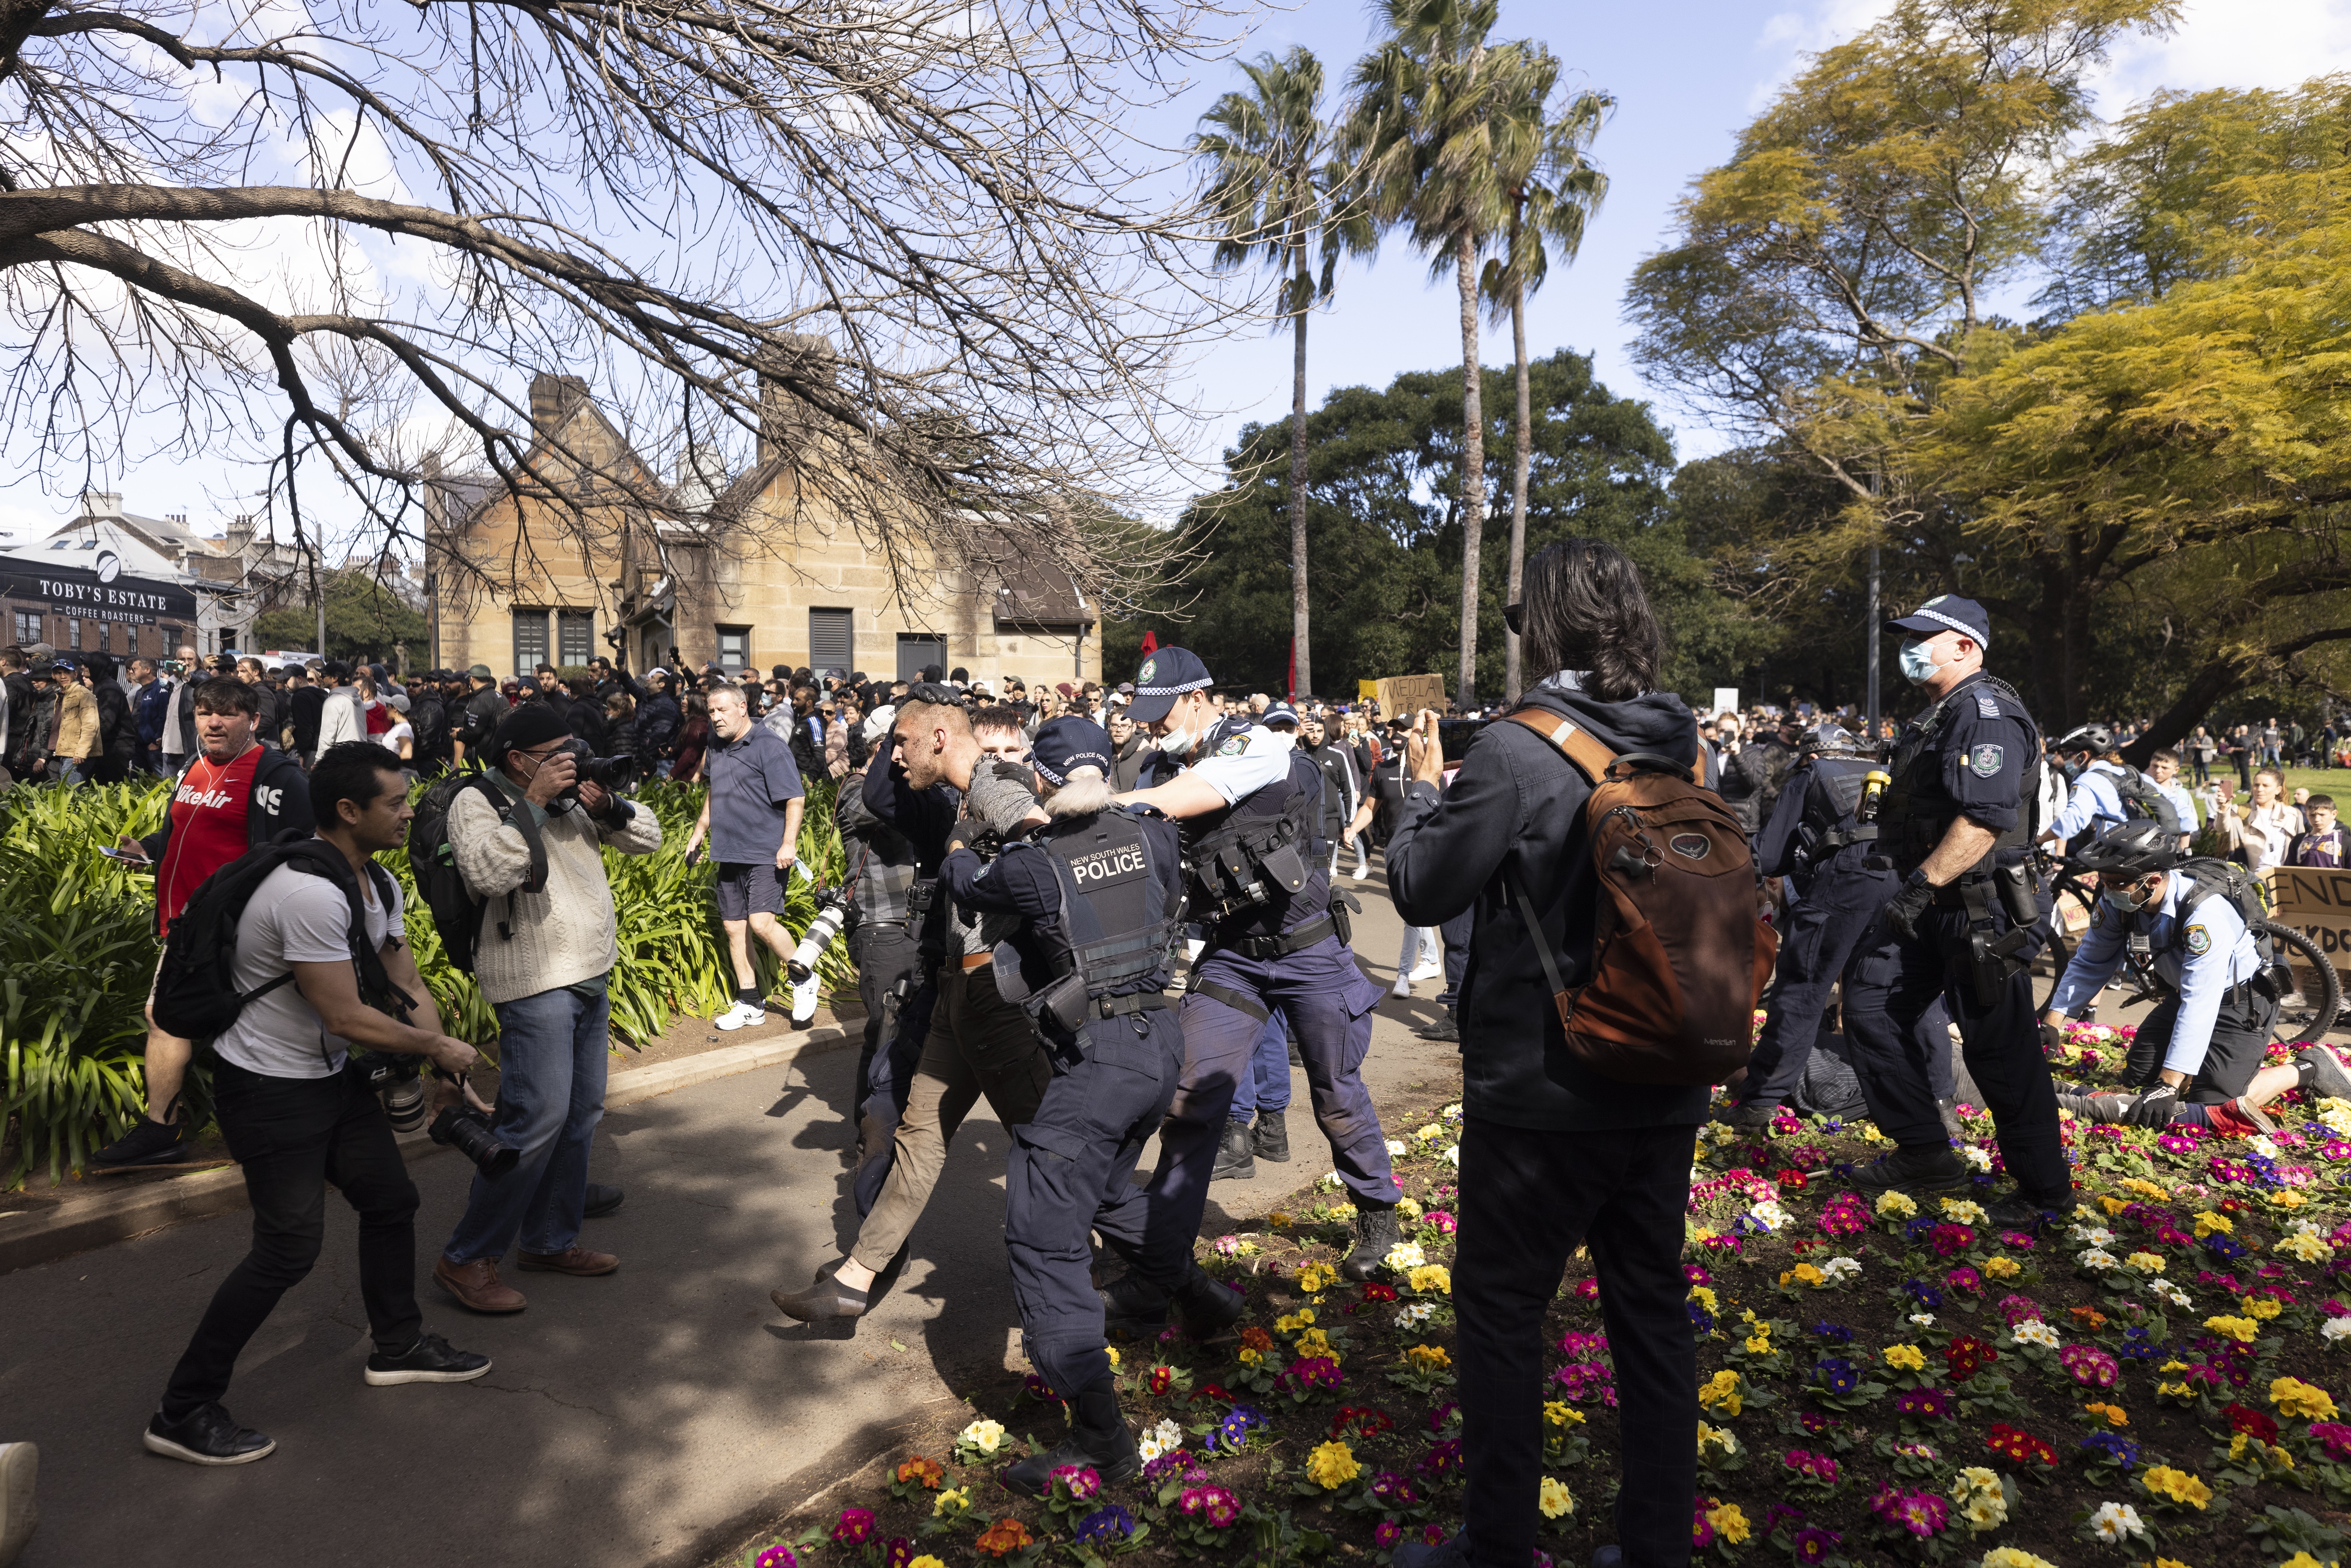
1679	957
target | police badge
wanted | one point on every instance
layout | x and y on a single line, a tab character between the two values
1985	761
2199	941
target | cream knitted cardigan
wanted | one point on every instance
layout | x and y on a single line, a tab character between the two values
564	932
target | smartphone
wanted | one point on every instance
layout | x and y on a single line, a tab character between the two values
111	853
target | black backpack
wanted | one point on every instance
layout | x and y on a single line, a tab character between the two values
456	913
2141	798
196	987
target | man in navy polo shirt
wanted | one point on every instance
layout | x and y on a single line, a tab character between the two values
752	817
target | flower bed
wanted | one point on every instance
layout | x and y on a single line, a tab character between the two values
2158	1380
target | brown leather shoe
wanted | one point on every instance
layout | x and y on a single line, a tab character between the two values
476	1285
574	1260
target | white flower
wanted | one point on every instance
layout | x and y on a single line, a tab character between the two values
985	1435
1405	1257
1396	1146
1170	1435
2094	1235
1330	1182
2036	1333
2301	1227
2335	1330
1838	1267
2115	1522
1453	1112
1976	1158
2335	1113
1414	1315
2098	1259
1923	1320
1147	1447
2164	1289
1452	1156
1768	1214
2263	1147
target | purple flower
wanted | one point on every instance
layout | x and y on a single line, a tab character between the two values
854	1527
1106	1523
1814	1545
1081	1481
1442	1459
1386	1534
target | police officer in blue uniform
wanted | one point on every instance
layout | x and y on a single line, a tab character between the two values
2105	790
2180	923
1817	841
1098	893
1956	824
1275	936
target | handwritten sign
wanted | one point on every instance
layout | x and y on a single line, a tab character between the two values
2316	902
1408	694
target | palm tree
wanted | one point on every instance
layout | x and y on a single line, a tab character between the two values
1276	191
1422	130
1553	189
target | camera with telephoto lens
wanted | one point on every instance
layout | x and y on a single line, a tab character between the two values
467	1131
609	772
398	1082
832	915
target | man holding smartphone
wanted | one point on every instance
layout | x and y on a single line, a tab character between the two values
235	795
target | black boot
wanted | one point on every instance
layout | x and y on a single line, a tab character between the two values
1207	1306
1270	1138
1235	1161
1749	1115
1375	1232
1132	1307
1098	1438
1919	1170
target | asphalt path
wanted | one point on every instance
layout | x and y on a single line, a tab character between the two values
648	1418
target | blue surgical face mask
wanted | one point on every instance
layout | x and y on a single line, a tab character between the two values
1918	662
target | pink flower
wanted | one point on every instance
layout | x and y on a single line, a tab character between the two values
854	1527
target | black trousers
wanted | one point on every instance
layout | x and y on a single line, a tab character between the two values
294	1135
884	953
1528	1199
2240	1039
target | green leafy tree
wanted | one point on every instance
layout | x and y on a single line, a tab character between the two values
365	621
1279	194
1553	189
1423	128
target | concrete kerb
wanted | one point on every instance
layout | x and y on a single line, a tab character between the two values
43	1237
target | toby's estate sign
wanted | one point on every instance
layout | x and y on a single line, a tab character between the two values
101	593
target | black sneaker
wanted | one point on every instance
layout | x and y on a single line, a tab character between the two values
1442	1029
429	1360
209	1437
2327	1079
1920	1171
1375	1232
601	1200
150	1143
1132	1307
1235	1157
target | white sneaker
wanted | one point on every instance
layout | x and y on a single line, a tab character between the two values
1402	989
742	1014
1363	870
1428	969
804	1001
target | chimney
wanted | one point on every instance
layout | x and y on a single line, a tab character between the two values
239	537
795	360
102	503
552	397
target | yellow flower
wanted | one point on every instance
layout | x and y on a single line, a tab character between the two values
1430	1133
1434	1277
1295	1320
1759	1345
2242	1330
1428	1357
1729	1523
2263	1307
1112	1352
1314	1342
2113	1205
1279	1219
1316	1278
1333	1466
2299	1560
1409	1207
2145	1262
2146	1189
1563	1414
2207	1222
2178	1485
1908	1357
2173	1366
1896	1206
1251	1357
2293	1397
2114	1413
2002	1267
1703	1296
2303	1248
1721	1392
955	1500
927	1561
2172	1390
2017	1557
1804	1274
2288	1198
1554	1500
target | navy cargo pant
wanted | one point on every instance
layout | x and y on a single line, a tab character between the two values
1071	1174
1328	1004
1892	983
1825	925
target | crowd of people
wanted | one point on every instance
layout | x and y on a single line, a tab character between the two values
1029	868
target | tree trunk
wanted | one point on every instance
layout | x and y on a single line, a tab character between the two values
1473	464
1521	462
1302	665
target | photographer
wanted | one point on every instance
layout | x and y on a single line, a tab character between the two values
755	801
549	942
1553	1157
294	1115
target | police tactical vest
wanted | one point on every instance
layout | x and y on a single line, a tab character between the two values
1114	919
1250	866
1830	797
1913	814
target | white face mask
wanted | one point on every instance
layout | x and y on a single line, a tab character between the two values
1175	743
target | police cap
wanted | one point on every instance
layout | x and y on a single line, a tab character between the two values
1167	674
1947	612
1066	744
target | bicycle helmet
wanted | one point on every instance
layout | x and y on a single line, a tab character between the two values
2094	739
2133	848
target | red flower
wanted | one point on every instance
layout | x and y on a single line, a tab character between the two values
2022	1447
1162	1379
1376	1292
1968	1355
1216	1391
1791	1180
2242	1420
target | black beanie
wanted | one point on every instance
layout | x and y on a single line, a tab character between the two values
532	724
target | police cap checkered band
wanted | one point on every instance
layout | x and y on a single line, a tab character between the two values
1166	676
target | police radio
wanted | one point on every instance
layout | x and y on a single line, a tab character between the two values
1872	787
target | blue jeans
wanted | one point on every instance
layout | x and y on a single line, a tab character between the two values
1266	1086
552	1050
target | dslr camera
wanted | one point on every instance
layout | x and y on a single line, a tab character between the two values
399	1082
832	915
609	772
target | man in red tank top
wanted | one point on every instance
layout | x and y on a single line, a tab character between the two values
236	793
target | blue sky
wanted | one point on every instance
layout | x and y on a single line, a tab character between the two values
1687	74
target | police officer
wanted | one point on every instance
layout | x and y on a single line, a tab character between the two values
2180	923
2106	790
479	719
1097	892
1955	824
1274	936
1816	841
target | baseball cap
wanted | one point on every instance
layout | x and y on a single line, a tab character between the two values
878	722
1947	612
480	673
398	701
1167	674
1067	743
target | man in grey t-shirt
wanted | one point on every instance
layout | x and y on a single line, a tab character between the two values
752	818
299	1117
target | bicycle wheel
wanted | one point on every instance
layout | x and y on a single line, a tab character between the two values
2306	1018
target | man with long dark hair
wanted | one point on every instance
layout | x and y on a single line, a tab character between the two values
1555	1157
